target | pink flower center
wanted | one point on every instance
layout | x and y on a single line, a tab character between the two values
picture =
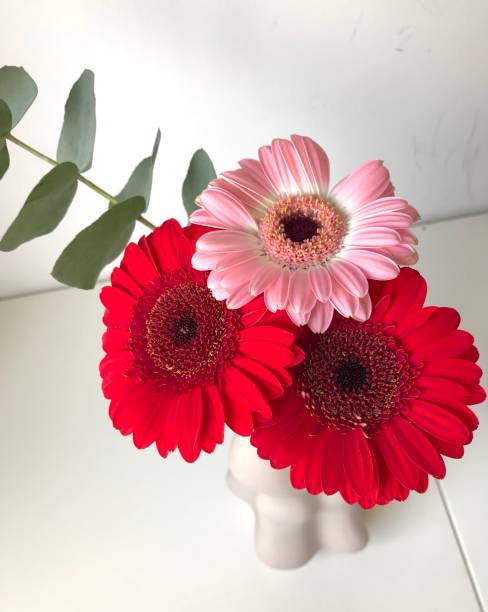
180	334
356	375
302	230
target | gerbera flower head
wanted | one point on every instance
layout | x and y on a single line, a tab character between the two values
179	363
375	405
309	249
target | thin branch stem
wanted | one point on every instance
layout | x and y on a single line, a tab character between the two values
81	178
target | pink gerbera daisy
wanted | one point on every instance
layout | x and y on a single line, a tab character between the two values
309	250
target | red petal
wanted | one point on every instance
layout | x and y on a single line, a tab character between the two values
313	473
407	293
213	414
440	323
449	449
192	415
297	473
171	246
115	339
118	302
293	446
268	334
451	345
438	422
332	463
460	370
260	375
250	394
122	280
417	446
358	465
138	266
397	461
436	389
269	353
477	395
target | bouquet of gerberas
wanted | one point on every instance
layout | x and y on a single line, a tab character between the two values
287	311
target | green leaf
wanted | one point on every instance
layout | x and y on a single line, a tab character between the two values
44	208
97	245
77	138
5	119
18	90
4	158
140	181
200	172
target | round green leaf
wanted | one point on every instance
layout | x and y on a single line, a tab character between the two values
44	208
140	181
77	139
4	158
200	172
81	262
18	90
5	118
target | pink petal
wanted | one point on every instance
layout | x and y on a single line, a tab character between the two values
394	220
227	240
349	276
263	277
276	295
239	183
384	206
368	182
202	217
288	165
271	171
372	236
320	317
321	283
374	265
345	303
239	273
299	317
227	209
363	309
315	164
206	260
238	297
301	297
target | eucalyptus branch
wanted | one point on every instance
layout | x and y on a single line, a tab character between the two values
80	177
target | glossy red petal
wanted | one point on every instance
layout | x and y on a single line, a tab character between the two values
269	353
437	389
332	463
267	382
358	464
438	422
417	446
138	266
313	472
268	334
120	279
460	370
395	458
213	415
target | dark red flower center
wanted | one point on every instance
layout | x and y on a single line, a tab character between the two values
356	375
180	334
299	227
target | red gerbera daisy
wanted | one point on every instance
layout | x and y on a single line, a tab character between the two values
179	363
375	405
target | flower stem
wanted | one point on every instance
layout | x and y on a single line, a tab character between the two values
81	178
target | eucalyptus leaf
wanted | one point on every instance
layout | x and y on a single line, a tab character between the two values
4	158
5	119
81	262
18	90
140	181
200	172
77	139
44	208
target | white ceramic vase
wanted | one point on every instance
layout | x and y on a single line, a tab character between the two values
291	525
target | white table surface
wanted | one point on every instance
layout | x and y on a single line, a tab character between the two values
88	523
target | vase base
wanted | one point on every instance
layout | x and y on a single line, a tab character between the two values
291	525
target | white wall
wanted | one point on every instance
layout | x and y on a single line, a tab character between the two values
403	81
